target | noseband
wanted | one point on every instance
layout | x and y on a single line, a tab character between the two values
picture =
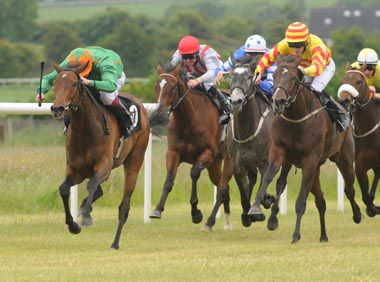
289	98
356	100
249	93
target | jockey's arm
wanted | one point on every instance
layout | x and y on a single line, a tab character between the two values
211	62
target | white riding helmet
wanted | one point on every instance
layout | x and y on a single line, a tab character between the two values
255	43
368	56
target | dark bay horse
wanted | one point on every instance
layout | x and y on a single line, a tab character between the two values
193	135
366	124
304	135
247	142
90	153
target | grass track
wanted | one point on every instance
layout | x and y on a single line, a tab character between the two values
39	248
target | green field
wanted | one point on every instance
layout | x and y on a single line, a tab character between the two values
38	247
17	93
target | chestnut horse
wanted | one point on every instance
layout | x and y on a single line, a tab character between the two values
366	132
304	135
92	154
247	142
193	135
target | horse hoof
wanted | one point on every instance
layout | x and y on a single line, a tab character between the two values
206	229
371	211
228	227
86	221
197	217
245	220
296	238
74	228
257	217
358	218
323	239
272	224
114	246
155	214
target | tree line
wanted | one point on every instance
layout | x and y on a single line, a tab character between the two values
144	41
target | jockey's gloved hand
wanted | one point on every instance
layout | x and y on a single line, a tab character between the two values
40	99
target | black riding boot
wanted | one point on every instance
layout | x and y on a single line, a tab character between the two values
124	119
224	105
336	111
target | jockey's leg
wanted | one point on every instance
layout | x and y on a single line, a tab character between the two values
123	116
336	111
224	105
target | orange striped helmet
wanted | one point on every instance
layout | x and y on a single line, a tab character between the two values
297	32
83	57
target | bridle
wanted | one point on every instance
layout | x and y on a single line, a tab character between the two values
356	102
176	91
250	92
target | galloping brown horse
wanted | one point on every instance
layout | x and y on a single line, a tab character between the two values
304	135
90	153
247	142
193	135
366	132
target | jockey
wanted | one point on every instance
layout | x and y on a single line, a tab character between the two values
201	61
316	64
255	45
104	72
369	59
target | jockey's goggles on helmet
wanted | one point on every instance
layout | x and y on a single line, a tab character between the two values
188	56
296	44
254	54
370	67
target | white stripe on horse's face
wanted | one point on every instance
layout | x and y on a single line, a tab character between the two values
64	75
162	84
240	70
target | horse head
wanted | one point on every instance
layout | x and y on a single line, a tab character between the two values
67	87
354	88
170	86
242	85
286	82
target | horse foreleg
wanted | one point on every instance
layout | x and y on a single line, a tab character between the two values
280	187
222	195
92	187
252	176
374	187
242	184
276	157
195	173
64	190
321	206
98	194
172	163
361	175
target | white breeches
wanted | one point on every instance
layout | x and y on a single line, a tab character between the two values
320	82
106	97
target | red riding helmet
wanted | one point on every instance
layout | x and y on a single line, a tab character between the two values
188	45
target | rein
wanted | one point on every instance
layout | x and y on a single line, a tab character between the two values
172	108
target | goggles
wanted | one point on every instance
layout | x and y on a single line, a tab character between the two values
188	56
296	44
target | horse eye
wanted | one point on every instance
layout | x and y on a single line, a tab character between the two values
75	84
359	82
250	77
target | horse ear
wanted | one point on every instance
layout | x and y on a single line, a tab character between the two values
253	63
178	68
57	68
159	68
298	60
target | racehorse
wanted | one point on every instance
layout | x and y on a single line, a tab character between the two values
193	135
92	150
366	122
304	135
247	141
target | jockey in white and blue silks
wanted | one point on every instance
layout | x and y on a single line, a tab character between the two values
255	45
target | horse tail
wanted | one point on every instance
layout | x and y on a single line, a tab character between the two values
158	119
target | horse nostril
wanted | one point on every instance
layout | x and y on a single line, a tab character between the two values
236	102
57	110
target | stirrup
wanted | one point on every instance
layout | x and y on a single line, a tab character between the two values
224	119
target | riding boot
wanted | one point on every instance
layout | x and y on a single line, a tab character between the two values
124	119
224	103
336	110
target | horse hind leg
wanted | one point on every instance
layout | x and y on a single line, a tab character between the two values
222	195
372	191
321	206
280	187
